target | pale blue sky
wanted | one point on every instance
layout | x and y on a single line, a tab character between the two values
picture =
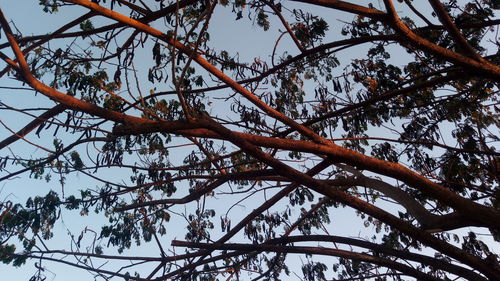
30	20
237	36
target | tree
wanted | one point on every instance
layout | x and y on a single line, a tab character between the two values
389	115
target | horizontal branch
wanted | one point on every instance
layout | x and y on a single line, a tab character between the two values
250	248
348	7
377	248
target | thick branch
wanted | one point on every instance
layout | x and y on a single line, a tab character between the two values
473	211
482	67
359	204
391	18
448	23
205	64
427	220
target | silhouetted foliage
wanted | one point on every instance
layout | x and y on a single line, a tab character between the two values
253	140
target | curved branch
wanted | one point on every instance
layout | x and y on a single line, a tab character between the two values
53	156
417	12
428	221
49	37
382	97
197	194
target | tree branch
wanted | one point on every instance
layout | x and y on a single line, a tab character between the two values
448	23
32	125
249	248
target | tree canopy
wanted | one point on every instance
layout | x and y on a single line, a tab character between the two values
252	140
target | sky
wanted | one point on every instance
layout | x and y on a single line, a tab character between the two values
29	18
